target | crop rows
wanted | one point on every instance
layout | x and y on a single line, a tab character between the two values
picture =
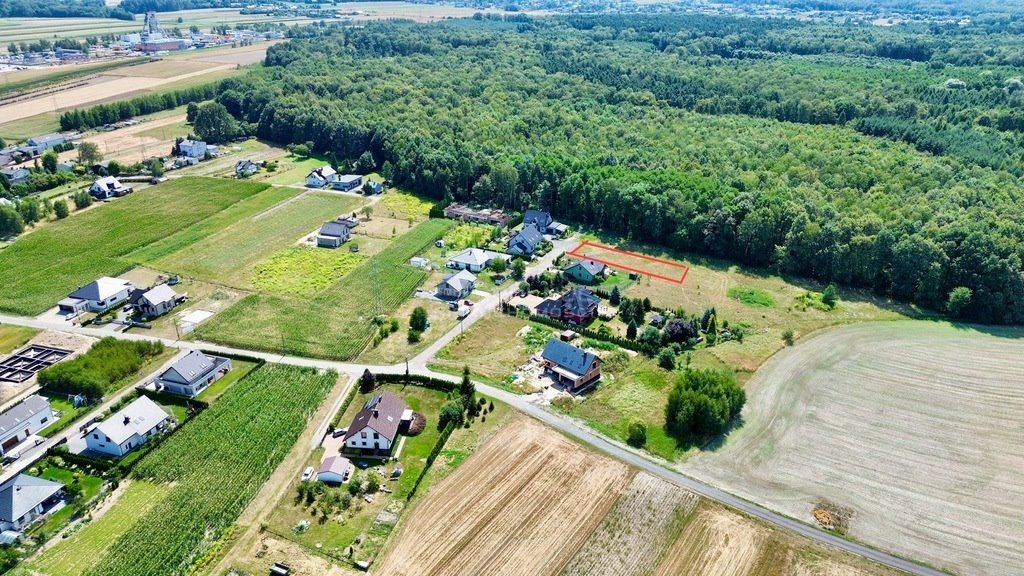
217	463
337	323
44	266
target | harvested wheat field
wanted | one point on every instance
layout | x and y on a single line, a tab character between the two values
914	427
523	504
716	542
631	538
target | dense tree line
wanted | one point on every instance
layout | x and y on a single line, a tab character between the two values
61	9
476	111
702	403
81	119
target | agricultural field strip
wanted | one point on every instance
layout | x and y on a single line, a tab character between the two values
43	267
528	499
632	537
214	467
715	542
639	263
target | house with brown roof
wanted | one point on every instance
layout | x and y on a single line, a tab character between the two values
376	427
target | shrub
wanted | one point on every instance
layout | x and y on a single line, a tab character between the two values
636	434
418	319
702	402
414	336
787	336
829	297
667	358
372	483
60	209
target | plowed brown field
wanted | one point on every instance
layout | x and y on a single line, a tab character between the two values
523	504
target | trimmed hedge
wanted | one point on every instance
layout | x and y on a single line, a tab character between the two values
438	446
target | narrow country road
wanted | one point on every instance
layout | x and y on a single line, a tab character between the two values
418	365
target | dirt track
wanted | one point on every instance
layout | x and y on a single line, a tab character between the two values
523	504
913	425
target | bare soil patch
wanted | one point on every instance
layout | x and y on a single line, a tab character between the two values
912	426
74	342
715	543
523	504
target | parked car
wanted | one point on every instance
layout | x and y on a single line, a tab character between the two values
339	432
307	473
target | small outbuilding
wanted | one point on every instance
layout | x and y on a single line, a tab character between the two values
334	470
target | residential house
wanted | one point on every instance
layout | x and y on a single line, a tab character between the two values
321	177
333	234
334	470
154	302
99	295
193	374
108	187
6	159
376	427
24	499
570	366
193	148
526	241
585	271
129	428
23	420
462	212
577	306
16	174
66	166
44	143
475	259
458	285
544	222
246	168
372	187
348	182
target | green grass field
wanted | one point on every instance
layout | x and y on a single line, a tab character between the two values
304	271
77	554
239	368
230	255
44	266
14	337
337	323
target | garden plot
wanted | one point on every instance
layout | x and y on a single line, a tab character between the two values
523	504
893	422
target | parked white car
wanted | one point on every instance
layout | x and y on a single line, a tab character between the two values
307	473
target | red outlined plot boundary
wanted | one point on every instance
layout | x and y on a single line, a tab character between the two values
579	252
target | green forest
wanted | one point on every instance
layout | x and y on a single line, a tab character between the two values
886	158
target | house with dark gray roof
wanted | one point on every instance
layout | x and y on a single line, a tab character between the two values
98	296
585	271
577	306
376	427
24	499
333	234
526	241
193	373
23	420
572	367
544	222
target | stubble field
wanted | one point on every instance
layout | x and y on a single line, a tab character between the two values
894	423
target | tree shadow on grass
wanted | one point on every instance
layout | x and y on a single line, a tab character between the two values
707	443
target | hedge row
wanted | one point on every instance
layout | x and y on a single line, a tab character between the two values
438	446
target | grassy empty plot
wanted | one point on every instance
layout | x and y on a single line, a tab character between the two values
889	420
523	504
230	255
76	555
13	337
476	349
402	205
337	323
633	535
396	347
247	207
751	296
42	267
468	235
304	271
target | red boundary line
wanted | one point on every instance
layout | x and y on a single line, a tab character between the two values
576	252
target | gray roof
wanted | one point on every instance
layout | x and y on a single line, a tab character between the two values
336	464
591	266
568	357
102	288
383	413
159	294
192	367
43	140
334	228
538	217
12	419
527	239
324	172
477	256
22	493
460	280
348	178
139	417
578	301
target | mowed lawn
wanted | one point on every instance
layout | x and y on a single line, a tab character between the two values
74	556
338	322
44	266
230	255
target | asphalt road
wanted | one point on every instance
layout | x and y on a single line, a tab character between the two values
565	425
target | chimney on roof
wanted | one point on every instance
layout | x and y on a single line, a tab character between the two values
376	413
127	420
